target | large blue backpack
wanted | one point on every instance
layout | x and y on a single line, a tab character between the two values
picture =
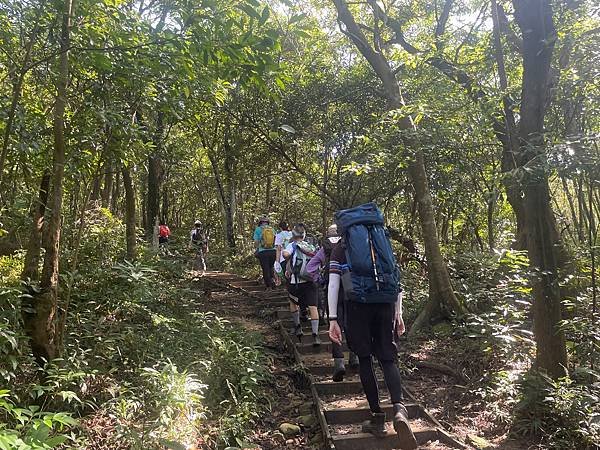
374	276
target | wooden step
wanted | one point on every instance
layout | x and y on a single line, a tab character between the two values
364	441
343	387
327	370
359	415
306	346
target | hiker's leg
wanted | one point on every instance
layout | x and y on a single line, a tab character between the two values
369	383
309	298
358	329
263	259
294	299
271	262
391	374
202	260
386	351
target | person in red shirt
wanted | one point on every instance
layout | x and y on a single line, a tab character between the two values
163	236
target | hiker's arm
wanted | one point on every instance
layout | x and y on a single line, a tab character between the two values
287	252
399	305
399	320
333	289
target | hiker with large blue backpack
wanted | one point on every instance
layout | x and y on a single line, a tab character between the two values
364	267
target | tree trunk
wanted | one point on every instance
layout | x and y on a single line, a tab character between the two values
116	193
165	213
17	88
41	321
491	232
152	194
574	219
227	199
154	178
108	185
96	188
535	19
34	246
442	299
130	234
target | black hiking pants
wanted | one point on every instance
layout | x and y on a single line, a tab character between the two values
370	332
267	260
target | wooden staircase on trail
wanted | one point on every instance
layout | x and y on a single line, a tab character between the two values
340	407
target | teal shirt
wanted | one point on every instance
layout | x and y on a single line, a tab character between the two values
258	237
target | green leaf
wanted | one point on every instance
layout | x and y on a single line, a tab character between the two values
297	18
280	83
266	12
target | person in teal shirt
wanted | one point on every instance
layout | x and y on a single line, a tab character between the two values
264	243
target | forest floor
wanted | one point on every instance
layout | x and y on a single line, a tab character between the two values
289	398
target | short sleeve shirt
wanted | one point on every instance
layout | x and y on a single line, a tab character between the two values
282	239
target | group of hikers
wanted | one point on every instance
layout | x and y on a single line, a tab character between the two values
355	272
198	243
352	280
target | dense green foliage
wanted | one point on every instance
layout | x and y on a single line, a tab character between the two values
138	354
224	110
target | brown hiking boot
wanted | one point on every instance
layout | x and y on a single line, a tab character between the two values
402	427
376	425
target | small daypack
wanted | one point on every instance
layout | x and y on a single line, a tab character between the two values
304	253
198	236
373	276
268	237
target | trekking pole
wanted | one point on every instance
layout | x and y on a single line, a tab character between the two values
373	261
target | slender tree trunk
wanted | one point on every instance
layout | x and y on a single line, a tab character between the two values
108	185
152	194
41	322
96	188
130	217
116	193
17	88
535	19
574	219
268	191
76	246
584	213
227	199
324	203
442	299
154	178
34	246
491	232
165	209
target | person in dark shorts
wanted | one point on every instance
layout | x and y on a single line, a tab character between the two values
302	292
370	331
